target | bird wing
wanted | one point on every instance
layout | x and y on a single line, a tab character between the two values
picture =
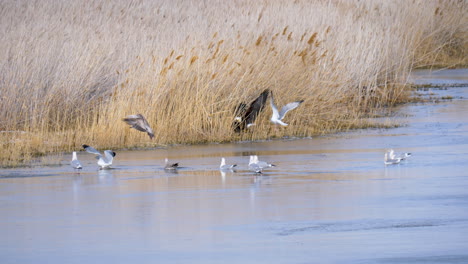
288	108
139	123
109	155
254	167
148	128
275	115
251	160
256	107
91	150
170	166
262	164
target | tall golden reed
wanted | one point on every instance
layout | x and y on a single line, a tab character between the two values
70	70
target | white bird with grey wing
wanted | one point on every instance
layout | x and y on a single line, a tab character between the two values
254	166
277	116
391	158
104	161
258	166
262	164
139	123
401	156
75	163
224	166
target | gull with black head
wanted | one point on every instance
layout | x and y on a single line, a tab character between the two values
104	161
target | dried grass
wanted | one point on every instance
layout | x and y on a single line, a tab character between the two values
70	70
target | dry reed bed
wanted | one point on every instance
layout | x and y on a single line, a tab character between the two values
70	70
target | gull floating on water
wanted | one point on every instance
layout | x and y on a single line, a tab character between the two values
139	123
276	117
105	161
75	163
224	166
245	117
169	166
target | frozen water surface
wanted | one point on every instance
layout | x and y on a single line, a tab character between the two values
329	200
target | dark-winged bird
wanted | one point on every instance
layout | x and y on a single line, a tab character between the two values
246	117
139	123
169	166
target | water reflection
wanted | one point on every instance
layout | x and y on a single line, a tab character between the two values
169	172
106	176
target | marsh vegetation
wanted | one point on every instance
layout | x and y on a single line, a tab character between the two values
71	70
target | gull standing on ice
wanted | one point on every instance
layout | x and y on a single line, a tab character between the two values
262	164
139	123
276	117
224	166
258	166
254	166
75	163
105	161
168	166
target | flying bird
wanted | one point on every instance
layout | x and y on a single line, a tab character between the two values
224	166
75	163
104	161
245	116
389	158
169	166
139	123
276	117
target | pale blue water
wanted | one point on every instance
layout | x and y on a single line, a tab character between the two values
329	200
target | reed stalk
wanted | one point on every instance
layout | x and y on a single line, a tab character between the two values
71	70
